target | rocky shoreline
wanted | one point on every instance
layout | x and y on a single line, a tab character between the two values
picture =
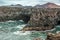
36	29
43	19
52	36
39	19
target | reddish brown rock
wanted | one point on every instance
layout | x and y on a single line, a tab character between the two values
37	39
52	36
48	5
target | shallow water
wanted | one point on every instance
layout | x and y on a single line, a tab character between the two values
10	30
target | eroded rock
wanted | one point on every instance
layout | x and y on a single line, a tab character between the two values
37	39
43	19
52	36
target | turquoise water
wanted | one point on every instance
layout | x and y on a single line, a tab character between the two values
10	30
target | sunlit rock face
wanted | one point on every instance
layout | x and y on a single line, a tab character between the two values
43	19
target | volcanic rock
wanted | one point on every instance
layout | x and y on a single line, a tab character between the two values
37	39
41	20
47	5
52	36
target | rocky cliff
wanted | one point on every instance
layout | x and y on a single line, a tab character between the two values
43	19
14	13
38	19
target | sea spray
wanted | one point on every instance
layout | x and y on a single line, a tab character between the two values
22	33
21	26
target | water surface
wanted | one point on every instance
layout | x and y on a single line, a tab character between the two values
10	30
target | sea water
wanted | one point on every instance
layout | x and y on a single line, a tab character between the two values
10	30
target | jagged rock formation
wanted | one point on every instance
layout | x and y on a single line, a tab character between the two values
43	19
52	36
38	19
14	13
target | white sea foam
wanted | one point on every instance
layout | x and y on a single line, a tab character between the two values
7	21
21	26
14	21
22	33
0	27
10	21
58	26
58	32
21	20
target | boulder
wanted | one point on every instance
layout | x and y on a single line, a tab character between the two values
37	39
52	36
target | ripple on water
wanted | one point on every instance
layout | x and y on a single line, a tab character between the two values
11	31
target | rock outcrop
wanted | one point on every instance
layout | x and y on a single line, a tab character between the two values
37	39
43	19
14	13
38	19
52	36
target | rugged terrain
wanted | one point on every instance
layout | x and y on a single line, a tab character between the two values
47	5
38	19
43	19
14	13
52	36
